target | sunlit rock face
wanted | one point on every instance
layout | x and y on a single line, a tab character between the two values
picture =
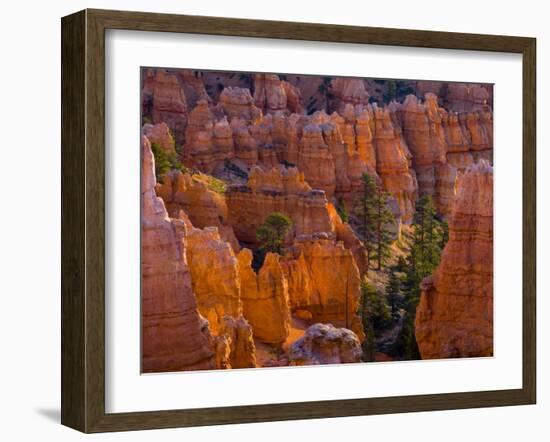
217	286
425	136
315	159
325	344
265	298
278	190
324	280
204	207
209	141
164	101
392	164
480	128
174	336
457	137
455	314
349	238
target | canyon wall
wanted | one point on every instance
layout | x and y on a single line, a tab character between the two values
455	314
174	335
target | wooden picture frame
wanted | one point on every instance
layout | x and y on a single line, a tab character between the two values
83	220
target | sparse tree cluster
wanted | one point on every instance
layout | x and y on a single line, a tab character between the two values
429	236
376	221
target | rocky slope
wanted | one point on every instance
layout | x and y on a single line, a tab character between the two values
455	314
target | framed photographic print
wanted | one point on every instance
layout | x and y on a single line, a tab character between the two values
269	220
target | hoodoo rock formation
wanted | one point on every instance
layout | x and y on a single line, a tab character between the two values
425	136
164	101
278	190
160	135
348	91
392	164
217	287
323	279
265	298
269	93
455	314
174	335
325	344
204	207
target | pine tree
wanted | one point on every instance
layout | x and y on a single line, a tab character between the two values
375	220
272	232
366	214
342	210
375	316
393	293
429	236
368	292
384	220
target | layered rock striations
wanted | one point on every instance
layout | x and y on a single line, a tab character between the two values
174	336
455	314
164	101
160	135
325	344
265	298
204	207
324	280
424	133
348	91
393	163
217	286
463	97
278	190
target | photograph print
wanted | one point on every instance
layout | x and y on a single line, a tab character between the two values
300	220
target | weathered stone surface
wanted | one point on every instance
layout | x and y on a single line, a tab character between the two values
323	279
278	190
423	130
160	135
237	102
217	286
269	93
193	86
325	344
265	298
315	160
214	275
345	233
455	314
461	97
237	332
174	336
164	100
458	142
348	91
392	164
203	206
293	98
